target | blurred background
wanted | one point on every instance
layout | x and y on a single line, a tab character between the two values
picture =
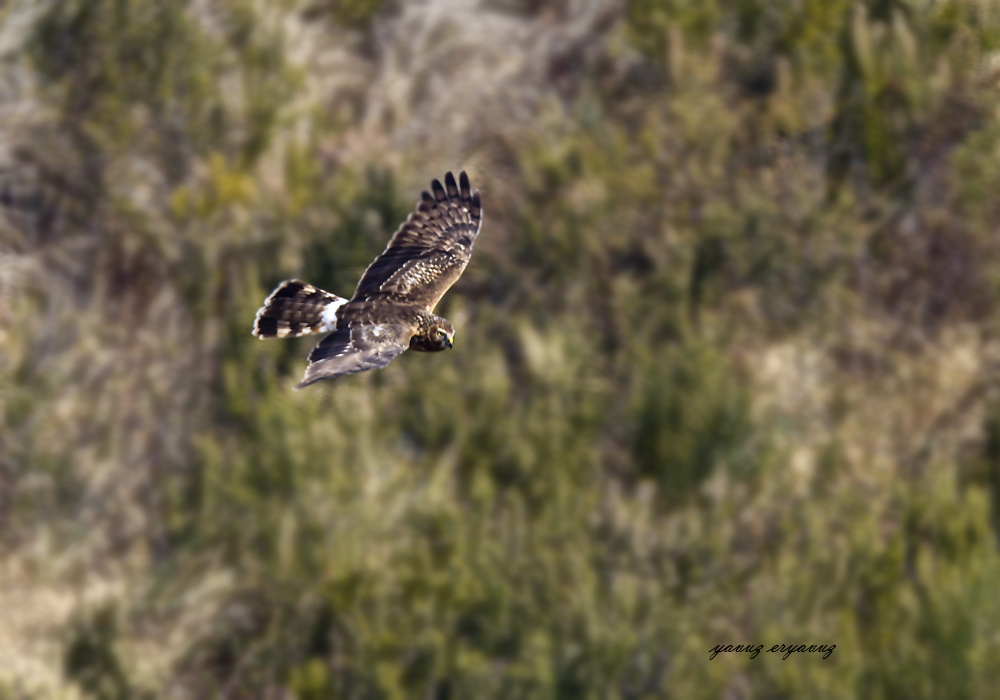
726	364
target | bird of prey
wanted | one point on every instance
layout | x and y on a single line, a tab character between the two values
391	309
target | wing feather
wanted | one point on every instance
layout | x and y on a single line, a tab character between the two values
429	252
355	347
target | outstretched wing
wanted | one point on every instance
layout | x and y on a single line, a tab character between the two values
355	347
429	251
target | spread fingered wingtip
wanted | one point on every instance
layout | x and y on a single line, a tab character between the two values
466	190
477	206
451	186
439	194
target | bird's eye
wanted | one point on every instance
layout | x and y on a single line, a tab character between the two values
441	333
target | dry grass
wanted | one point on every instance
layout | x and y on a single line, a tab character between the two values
725	372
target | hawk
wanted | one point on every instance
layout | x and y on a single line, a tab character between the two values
391	309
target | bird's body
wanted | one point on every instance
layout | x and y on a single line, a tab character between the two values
392	307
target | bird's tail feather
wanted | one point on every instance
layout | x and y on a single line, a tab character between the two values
296	308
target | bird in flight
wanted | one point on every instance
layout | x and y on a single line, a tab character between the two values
391	309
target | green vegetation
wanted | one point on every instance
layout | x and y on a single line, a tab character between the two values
724	370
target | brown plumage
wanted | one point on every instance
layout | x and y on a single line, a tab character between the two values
391	309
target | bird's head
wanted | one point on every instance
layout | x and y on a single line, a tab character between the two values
438	336
443	334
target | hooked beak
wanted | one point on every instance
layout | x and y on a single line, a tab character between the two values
448	341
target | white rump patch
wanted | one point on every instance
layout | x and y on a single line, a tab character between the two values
328	321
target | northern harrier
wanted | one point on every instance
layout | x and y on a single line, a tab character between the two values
391	308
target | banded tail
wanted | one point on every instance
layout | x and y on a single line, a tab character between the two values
296	308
